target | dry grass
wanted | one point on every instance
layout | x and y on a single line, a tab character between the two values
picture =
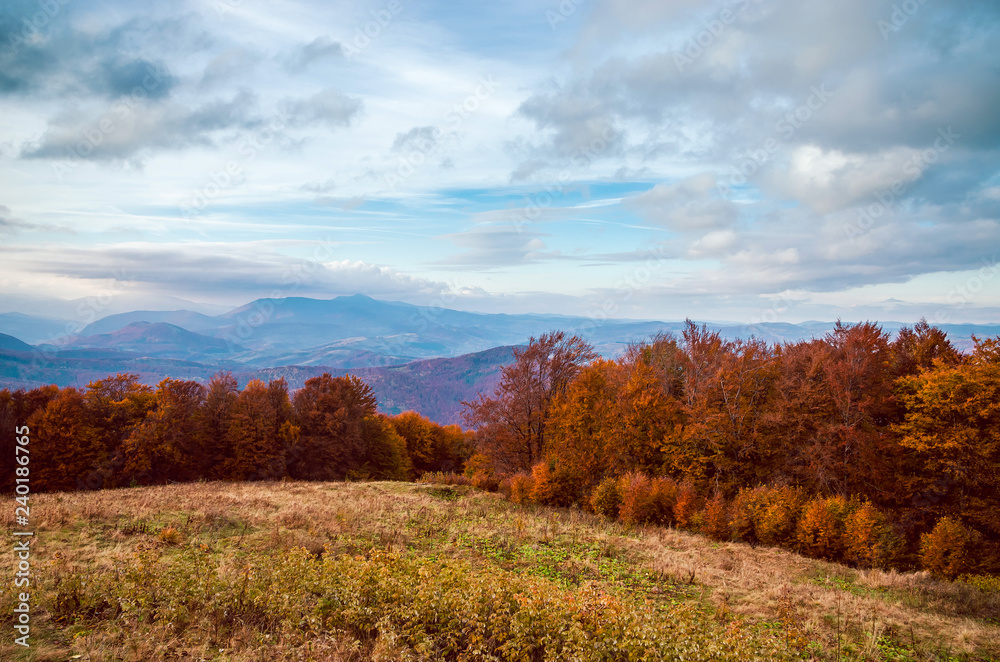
834	607
836	604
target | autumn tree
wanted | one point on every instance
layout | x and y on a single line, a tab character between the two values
832	411
253	433
650	406
917	348
432	447
583	425
861	384
330	412
511	424
9	421
727	395
795	419
16	408
115	407
696	448
63	446
216	417
952	427
165	446
383	451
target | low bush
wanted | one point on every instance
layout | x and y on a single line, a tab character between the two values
714	519
647	500
402	607
607	497
766	515
481	474
820	531
685	505
554	485
517	488
870	541
444	478
949	550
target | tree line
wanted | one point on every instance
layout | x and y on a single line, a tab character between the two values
118	432
855	446
801	440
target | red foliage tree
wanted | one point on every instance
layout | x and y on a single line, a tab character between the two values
330	412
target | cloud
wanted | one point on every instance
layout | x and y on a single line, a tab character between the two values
688	205
127	130
319	49
230	64
320	187
211	267
830	180
419	138
122	76
710	130
492	246
330	107
355	276
718	243
62	58
11	225
577	130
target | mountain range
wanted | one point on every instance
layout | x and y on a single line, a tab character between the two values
423	358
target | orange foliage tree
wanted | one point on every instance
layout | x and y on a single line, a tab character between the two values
164	447
831	411
952	425
432	447
115	407
511	424
16	409
259	432
63	447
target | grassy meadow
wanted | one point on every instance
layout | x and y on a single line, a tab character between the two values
402	571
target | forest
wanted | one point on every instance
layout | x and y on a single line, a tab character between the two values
857	447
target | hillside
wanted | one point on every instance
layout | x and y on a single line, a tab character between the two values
12	344
434	387
437	387
393	571
158	340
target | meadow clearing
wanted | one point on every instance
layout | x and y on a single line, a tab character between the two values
404	571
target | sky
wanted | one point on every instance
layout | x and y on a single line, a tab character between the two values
746	160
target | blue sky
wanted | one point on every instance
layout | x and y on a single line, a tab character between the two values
751	160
